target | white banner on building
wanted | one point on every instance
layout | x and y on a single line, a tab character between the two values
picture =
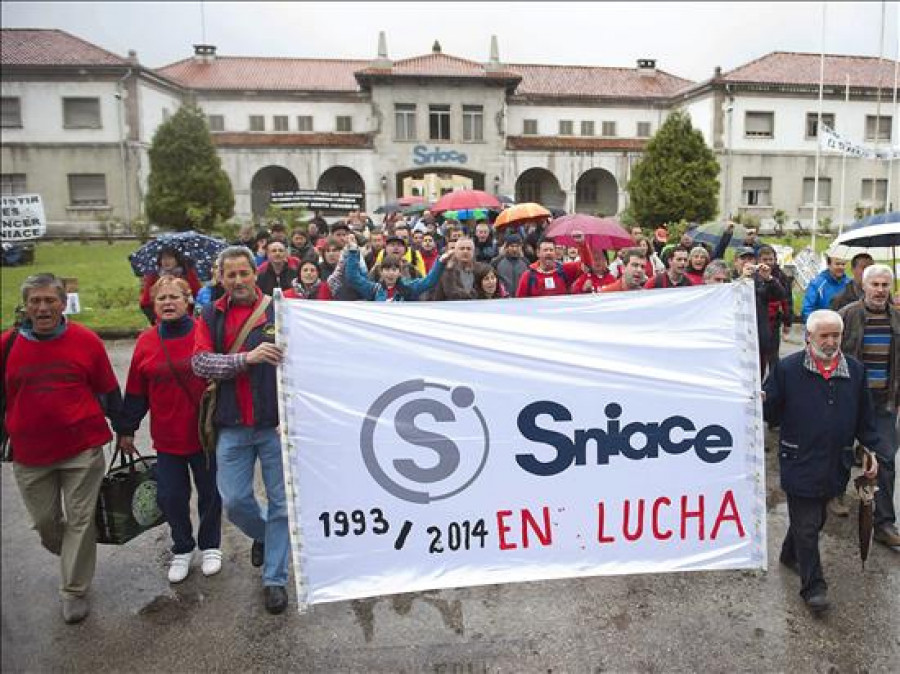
23	218
829	139
445	444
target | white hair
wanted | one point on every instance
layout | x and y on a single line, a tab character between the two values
877	270
822	317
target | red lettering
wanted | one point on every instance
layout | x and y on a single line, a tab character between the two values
657	533
731	516
640	521
601	520
687	514
544	535
503	529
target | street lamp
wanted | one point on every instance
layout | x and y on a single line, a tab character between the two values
496	184
383	183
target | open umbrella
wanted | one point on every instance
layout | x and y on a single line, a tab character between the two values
199	249
882	242
466	214
520	213
605	233
711	233
880	219
399	204
506	200
466	199
417	208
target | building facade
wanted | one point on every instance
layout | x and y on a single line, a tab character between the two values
78	121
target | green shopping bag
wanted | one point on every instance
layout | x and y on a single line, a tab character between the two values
126	505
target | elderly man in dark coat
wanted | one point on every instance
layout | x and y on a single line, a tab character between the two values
821	399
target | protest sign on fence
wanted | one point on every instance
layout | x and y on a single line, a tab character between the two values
23	218
446	444
318	200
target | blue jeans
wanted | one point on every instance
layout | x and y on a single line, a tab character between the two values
886	423
173	493
237	450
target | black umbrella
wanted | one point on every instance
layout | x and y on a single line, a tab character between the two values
198	249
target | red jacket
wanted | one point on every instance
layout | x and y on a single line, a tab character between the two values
538	283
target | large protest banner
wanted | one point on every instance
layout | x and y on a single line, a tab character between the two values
445	444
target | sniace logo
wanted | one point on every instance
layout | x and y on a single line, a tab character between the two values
419	465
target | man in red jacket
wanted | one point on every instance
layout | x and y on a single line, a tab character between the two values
547	276
59	387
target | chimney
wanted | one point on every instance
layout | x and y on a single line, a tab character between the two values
133	57
436	47
646	66
204	53
717	73
382	61
493	63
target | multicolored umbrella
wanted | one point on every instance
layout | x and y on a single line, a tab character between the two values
466	214
602	233
520	213
712	232
465	200
199	249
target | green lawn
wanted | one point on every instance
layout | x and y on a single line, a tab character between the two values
107	287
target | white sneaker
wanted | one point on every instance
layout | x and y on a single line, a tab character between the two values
212	561
180	567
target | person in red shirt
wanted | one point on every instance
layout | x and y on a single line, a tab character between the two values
697	261
308	285
547	277
169	262
596	272
633	276
673	277
59	387
160	380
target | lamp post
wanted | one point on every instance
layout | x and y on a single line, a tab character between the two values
496	184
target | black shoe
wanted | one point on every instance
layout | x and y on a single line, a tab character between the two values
276	598
818	602
257	553
790	564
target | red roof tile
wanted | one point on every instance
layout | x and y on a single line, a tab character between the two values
233	139
40	47
587	81
803	69
573	143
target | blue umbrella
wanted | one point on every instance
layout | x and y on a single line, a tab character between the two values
880	219
711	233
198	249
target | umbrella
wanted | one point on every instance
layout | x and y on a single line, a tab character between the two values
711	233
466	199
866	488
415	209
519	213
882	242
556	212
505	199
605	233
199	249
398	205
880	219
466	214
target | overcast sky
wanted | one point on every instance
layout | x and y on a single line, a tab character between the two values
687	39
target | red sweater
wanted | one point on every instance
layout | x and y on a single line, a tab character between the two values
537	283
173	417
52	412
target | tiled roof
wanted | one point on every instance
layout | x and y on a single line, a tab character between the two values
40	47
803	69
438	65
266	74
586	81
573	143
330	140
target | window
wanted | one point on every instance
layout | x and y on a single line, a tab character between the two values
216	122
439	122
11	117
809	186
759	125
81	113
529	191
880	191
643	129
12	184
305	123
473	122
405	121
812	121
344	124
586	191
587	128
280	122
88	189
565	127
257	123
884	127
757	191
609	128
529	127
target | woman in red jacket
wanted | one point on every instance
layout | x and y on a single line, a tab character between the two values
172	263
160	380
308	285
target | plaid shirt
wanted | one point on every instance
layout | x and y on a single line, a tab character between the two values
219	366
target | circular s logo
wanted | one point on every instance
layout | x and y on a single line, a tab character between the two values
405	453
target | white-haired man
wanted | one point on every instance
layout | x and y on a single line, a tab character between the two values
820	397
872	335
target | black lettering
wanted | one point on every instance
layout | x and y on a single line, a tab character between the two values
665	435
713	437
565	450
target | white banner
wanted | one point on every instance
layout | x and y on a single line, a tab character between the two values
829	139
23	218
445	444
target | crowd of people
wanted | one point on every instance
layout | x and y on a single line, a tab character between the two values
844	386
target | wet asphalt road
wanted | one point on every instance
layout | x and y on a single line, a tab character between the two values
700	621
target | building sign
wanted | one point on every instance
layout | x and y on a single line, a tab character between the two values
528	440
317	200
422	156
23	218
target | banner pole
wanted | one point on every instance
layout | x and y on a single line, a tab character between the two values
878	114
841	215
815	214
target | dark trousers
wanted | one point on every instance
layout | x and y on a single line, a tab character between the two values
174	498
801	545
886	423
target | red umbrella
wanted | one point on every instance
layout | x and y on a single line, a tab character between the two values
462	200
604	233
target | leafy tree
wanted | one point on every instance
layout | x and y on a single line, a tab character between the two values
678	177
187	186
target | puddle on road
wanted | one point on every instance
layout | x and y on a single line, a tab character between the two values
165	609
450	611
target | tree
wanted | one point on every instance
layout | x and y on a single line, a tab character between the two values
677	179
187	186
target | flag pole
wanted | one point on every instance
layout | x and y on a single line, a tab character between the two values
878	113
815	215
893	137
841	215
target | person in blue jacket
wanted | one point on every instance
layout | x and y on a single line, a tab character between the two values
391	287
821	398
825	286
